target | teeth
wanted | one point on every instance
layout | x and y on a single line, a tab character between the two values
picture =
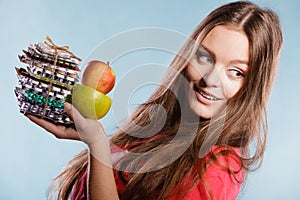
207	96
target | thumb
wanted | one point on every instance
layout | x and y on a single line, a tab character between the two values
73	113
86	128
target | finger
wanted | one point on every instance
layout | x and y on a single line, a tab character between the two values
41	122
59	131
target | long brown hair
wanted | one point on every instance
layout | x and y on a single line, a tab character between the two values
243	124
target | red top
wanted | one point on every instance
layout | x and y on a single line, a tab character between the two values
222	184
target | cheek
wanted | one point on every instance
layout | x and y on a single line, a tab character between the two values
230	88
194	73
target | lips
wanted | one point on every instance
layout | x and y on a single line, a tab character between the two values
201	93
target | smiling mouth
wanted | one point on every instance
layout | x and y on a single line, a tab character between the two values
205	95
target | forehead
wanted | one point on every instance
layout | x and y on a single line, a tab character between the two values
227	43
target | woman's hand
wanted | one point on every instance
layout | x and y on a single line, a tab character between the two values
101	180
87	130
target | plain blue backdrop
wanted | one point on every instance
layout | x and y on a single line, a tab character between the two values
30	157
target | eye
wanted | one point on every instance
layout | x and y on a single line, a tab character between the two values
204	58
236	74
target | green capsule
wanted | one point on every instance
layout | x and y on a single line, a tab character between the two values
29	95
50	102
61	104
41	99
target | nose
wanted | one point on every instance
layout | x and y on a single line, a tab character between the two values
212	77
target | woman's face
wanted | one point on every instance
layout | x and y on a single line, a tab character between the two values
217	71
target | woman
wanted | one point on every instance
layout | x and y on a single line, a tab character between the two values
214	96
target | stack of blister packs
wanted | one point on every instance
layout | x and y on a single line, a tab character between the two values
46	81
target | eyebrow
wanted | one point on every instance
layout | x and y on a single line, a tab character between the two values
213	55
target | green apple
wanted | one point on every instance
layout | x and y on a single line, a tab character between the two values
89	102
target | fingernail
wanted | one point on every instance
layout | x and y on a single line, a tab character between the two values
67	106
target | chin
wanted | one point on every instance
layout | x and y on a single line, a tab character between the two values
204	111
201	110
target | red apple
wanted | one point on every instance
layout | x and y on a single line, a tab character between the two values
99	75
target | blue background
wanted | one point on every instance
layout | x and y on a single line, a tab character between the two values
30	157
